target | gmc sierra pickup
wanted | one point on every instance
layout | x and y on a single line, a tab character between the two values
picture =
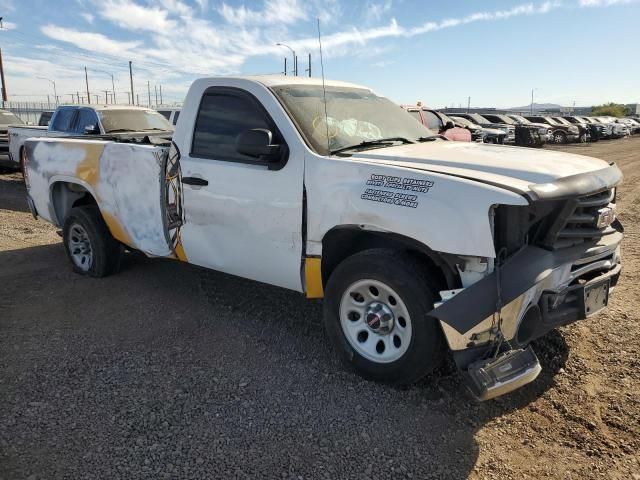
416	244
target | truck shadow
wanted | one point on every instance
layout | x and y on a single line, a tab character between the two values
182	319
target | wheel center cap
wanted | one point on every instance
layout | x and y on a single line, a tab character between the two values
379	318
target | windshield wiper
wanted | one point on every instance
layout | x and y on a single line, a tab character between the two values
372	143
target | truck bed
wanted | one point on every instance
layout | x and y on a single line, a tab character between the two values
126	180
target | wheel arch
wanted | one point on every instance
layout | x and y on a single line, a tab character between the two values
343	241
65	195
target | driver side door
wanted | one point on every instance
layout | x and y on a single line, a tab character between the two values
242	216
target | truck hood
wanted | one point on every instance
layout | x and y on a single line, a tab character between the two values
513	168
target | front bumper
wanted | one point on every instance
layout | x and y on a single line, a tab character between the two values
551	281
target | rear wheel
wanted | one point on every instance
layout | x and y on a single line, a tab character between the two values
375	313
90	246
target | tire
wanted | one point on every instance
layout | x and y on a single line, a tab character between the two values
413	342
91	249
559	137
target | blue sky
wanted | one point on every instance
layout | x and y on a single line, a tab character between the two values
582	51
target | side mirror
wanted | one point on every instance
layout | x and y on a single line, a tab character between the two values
91	129
257	143
449	125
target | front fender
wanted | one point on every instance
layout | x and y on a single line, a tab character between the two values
448	214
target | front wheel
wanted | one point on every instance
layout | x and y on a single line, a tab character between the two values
375	313
559	137
89	245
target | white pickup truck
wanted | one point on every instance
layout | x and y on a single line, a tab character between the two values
113	121
416	244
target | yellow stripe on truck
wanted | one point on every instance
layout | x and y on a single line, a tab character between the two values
313	277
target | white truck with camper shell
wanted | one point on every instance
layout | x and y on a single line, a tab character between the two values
417	244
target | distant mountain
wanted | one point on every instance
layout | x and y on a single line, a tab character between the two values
537	107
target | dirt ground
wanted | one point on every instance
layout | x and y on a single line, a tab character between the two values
170	371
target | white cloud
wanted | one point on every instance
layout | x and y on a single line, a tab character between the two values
132	16
9	25
603	3
376	10
273	11
88	17
95	42
203	4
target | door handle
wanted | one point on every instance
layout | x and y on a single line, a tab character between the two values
200	182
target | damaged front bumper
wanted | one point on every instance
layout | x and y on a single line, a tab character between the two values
540	290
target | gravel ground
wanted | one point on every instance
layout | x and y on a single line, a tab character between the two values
170	371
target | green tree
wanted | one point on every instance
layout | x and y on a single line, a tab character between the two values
609	109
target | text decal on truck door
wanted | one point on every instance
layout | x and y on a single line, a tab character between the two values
396	183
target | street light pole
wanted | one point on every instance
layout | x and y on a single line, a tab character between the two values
293	52
55	93
113	84
532	90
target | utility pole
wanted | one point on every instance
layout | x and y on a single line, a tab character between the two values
468	104
73	100
161	103
155	87
131	79
4	85
97	98
128	98
106	92
137	99
86	79
48	102
149	94
309	69
78	97
532	90
285	66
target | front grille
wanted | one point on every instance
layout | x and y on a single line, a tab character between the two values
577	220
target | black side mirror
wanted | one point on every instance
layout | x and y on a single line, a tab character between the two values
91	129
257	143
449	125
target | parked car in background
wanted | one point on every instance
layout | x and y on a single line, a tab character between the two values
438	122
93	120
632	124
509	129
170	114
619	130
7	118
479	133
560	132
45	118
543	128
584	131
607	128
597	131
526	135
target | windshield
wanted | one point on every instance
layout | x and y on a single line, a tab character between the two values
520	119
133	120
562	120
463	121
353	116
8	118
479	119
505	119
550	121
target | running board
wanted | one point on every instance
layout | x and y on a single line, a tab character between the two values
491	378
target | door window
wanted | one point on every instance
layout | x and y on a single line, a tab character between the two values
433	122
221	118
86	117
63	121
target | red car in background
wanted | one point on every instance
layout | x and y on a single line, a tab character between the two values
438	122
